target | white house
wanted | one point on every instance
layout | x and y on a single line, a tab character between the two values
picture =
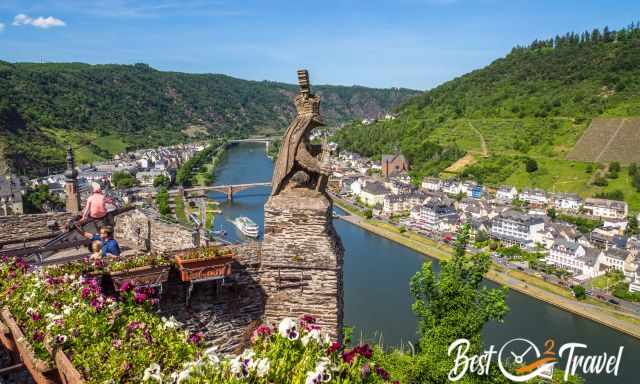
634	285
534	197
356	187
373	193
567	202
581	261
606	208
506	193
515	228
432	184
436	215
452	187
614	258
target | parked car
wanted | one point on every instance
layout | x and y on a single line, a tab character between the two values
614	302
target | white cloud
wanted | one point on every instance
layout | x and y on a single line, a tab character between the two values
48	22
21	19
1	27
39	22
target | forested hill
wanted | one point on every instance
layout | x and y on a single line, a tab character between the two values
533	103
103	109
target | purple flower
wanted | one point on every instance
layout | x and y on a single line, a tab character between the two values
139	297
126	286
384	375
134	325
38	336
196	338
35	316
364	350
365	371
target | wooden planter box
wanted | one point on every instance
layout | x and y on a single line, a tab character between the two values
206	268
68	373
42	372
6	338
147	275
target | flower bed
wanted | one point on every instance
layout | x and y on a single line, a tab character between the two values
91	336
139	270
204	263
296	352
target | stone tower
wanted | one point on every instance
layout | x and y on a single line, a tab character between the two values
302	255
71	184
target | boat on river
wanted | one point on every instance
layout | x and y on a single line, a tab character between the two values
247	226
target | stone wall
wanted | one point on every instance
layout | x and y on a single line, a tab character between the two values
226	312
146	231
302	260
21	227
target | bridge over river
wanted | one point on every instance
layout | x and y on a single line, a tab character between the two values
228	189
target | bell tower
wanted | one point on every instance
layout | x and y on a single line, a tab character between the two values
71	184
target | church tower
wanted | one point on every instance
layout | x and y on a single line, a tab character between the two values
71	184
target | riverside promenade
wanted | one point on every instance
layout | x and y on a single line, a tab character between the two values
529	285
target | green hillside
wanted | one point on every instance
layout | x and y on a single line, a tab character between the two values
103	109
534	103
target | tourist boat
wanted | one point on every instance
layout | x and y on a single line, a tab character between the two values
246	226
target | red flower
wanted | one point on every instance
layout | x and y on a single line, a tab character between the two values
335	347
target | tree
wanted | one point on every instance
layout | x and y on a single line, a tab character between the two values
614	167
368	214
551	212
632	226
161	181
162	201
482	236
451	305
579	292
600	181
123	180
531	165
39	200
633	170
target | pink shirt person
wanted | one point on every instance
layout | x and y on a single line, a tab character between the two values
96	204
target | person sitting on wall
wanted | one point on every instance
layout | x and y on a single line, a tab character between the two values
110	246
96	208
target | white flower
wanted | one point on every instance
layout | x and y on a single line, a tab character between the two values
288	328
262	367
66	310
238	368
314	334
247	354
152	373
212	355
170	323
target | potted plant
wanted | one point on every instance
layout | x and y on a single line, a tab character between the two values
204	263
140	270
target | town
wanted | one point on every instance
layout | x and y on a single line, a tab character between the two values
584	239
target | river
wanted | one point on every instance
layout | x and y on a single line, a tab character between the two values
377	273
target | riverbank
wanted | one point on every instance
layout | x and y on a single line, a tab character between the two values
529	285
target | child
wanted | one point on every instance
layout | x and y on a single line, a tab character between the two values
96	248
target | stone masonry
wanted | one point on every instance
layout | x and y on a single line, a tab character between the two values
148	232
302	259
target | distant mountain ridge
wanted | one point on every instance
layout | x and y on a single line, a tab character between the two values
534	103
103	109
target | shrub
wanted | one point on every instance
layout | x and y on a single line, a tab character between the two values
531	165
579	292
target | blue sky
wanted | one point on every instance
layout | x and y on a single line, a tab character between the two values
402	43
